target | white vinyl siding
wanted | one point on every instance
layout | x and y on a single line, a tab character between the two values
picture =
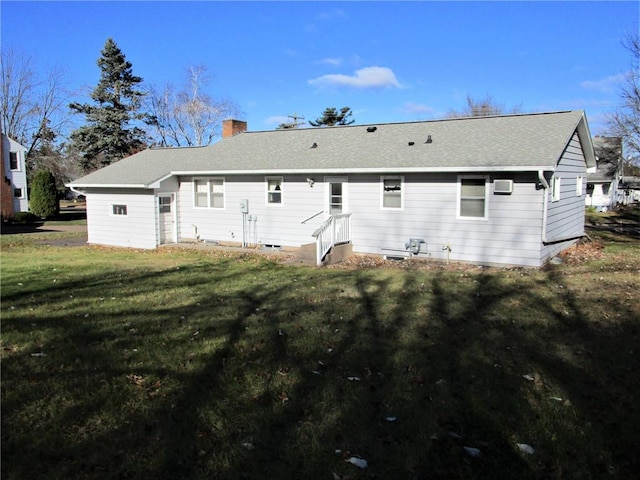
137	229
510	234
565	217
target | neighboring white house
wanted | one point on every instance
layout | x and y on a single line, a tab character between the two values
602	185
15	175
629	190
503	190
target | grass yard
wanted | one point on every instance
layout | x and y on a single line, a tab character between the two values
205	364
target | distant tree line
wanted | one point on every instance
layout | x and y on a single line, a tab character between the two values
124	116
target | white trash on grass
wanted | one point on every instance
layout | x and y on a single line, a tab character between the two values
526	449
358	462
473	452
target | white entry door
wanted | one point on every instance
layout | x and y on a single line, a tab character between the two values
336	195
167	218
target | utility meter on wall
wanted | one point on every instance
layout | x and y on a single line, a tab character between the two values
244	205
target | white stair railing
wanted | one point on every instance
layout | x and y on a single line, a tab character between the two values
334	231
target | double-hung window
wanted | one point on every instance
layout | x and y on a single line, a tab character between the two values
472	197
392	192
14	163
274	190
208	192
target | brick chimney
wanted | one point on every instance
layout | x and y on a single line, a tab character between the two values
233	127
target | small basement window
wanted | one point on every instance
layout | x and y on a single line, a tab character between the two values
119	209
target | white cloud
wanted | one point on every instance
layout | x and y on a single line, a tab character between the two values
368	77
419	108
607	84
331	61
277	120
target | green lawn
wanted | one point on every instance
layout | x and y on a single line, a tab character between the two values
204	364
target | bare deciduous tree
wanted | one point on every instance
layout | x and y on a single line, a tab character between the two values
31	102
190	117
625	121
485	107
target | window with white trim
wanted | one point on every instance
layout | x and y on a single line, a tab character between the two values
392	192
555	189
119	209
473	196
14	163
579	185
208	192
274	190
18	192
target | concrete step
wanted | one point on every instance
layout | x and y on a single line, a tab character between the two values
306	254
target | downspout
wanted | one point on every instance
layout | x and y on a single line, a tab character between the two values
545	210
545	204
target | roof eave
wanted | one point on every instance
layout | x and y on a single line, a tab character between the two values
304	171
106	185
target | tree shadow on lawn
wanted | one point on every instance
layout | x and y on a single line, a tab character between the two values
264	379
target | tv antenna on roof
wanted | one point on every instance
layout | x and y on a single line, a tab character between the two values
295	124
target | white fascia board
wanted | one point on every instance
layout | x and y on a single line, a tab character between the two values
105	185
344	171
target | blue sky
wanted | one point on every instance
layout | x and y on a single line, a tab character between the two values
389	61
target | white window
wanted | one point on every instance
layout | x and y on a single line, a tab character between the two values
555	189
579	185
208	192
392	192
274	190
472	196
119	209
18	192
14	163
216	189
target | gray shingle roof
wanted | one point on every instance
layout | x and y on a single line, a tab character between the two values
512	142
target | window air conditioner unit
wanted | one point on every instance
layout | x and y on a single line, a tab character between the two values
503	186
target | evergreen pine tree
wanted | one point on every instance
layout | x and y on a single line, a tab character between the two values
109	134
44	195
331	117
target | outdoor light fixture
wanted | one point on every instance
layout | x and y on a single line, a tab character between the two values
429	139
311	181
315	145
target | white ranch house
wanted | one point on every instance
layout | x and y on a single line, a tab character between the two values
503	190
